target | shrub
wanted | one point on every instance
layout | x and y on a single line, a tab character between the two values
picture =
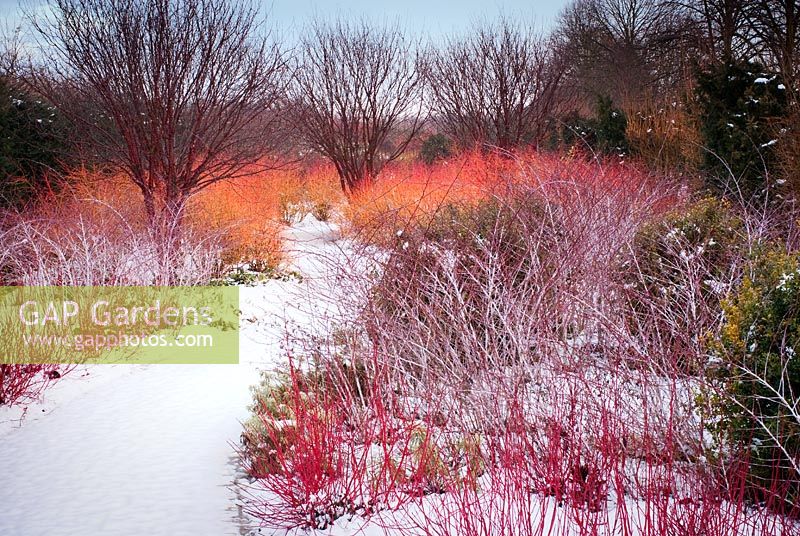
300	449
707	229
457	266
457	285
21	384
283	403
435	147
245	214
88	237
32	144
788	154
474	222
317	443
250	212
322	210
328	439
574	132
610	125
680	268
408	192
433	461
761	375
736	105
486	397
603	133
665	137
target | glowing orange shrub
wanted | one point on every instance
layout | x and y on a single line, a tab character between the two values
409	192
98	196
252	210
247	214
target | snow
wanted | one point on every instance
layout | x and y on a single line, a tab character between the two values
150	449
147	452
760	80
556	518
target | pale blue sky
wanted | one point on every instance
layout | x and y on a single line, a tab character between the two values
430	16
420	16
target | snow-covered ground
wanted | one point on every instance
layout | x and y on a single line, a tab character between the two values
150	449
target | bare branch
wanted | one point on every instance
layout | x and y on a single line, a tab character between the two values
178	93
358	95
498	87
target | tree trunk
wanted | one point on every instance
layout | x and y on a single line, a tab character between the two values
166	222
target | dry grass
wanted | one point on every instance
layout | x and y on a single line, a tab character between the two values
664	137
788	131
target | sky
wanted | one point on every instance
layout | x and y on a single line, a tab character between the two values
434	18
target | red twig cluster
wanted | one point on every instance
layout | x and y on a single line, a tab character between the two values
521	382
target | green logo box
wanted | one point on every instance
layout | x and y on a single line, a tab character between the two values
170	325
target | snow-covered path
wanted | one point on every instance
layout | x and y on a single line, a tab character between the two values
143	452
135	450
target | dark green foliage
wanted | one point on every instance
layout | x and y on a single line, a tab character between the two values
502	228
706	231
604	133
737	107
610	125
760	374
575	131
435	147
31	145
460	222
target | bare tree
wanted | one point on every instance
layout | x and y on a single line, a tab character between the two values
628	49
10	51
496	87
358	96
777	24
722	28
178	93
